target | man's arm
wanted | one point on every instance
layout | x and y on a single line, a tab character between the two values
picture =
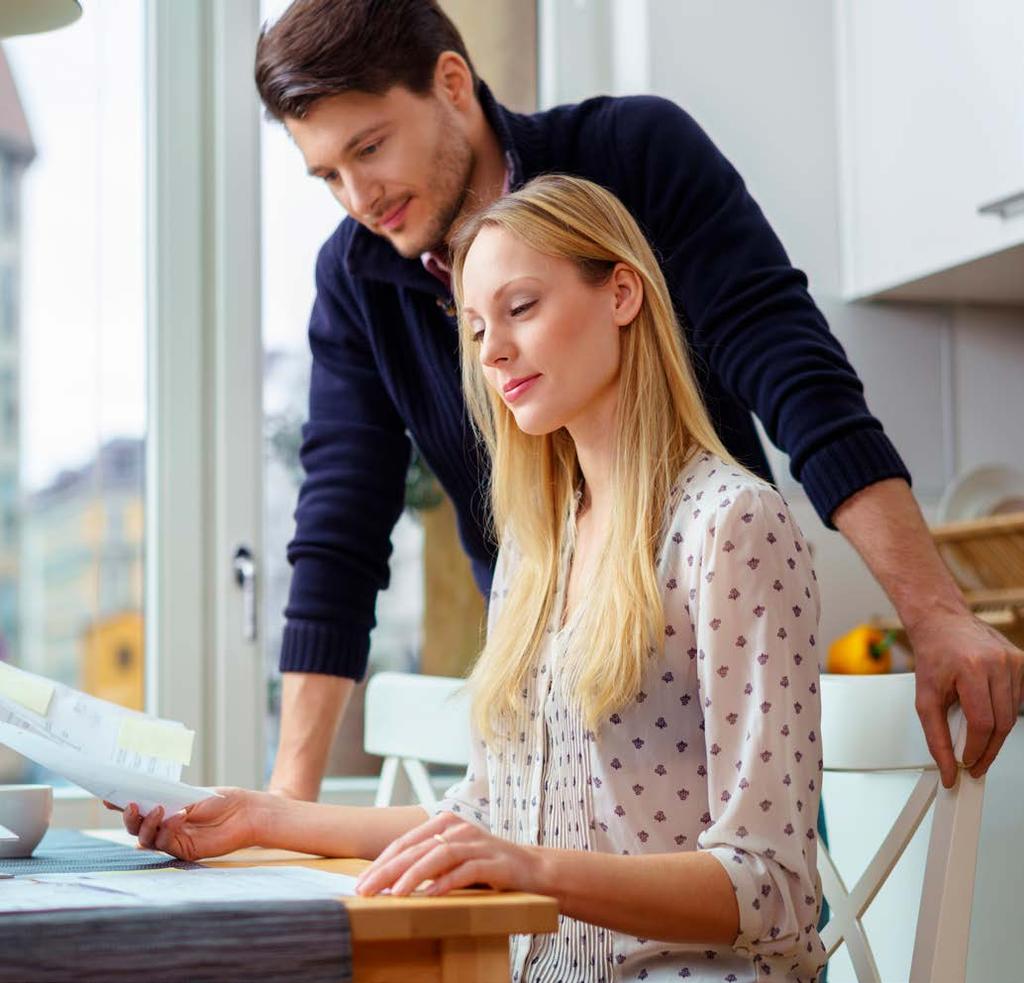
753	326
312	705
958	658
355	454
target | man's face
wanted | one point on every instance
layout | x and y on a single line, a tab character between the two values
399	163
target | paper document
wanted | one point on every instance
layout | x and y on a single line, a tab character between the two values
97	728
118	754
51	892
112	782
27	894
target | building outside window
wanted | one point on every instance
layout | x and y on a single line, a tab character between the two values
72	356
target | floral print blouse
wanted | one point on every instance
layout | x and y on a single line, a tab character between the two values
718	751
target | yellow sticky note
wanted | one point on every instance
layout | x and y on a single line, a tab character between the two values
157	739
31	692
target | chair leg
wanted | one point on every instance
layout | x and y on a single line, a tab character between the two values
386	785
419	778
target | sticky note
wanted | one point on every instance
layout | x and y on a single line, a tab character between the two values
156	738
31	692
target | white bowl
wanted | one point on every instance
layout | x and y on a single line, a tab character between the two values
25	811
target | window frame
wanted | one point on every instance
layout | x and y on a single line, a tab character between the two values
204	451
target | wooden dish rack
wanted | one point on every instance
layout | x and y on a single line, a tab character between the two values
986	557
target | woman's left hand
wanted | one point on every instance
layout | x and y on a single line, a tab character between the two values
452	853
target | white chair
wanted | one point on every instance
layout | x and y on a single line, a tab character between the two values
869	724
414	721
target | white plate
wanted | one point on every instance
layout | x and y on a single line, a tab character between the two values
992	489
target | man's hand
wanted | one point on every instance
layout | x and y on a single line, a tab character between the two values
311	709
959	658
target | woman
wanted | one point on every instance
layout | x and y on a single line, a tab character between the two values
646	706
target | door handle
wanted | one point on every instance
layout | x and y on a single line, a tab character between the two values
244	567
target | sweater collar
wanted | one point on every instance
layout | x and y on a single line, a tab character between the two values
372	257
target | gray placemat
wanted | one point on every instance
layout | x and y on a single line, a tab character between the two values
297	941
67	851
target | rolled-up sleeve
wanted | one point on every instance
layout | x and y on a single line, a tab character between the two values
757	614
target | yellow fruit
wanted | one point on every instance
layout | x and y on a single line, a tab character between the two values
862	650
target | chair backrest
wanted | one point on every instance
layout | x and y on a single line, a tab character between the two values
869	724
412	721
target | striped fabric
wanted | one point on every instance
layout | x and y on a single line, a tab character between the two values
297	941
578	950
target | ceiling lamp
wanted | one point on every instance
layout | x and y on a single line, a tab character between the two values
35	16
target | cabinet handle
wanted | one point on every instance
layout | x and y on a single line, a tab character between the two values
1005	207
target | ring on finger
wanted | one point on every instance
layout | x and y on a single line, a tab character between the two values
441	838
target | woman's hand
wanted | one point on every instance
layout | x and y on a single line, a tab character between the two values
209	828
453	854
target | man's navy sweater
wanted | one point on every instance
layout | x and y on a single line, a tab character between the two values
386	367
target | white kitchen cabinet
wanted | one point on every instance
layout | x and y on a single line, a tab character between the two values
931	122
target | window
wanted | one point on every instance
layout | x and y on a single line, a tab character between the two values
9	192
9	404
8	303
8	510
72	209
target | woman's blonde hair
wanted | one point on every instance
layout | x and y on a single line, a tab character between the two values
661	423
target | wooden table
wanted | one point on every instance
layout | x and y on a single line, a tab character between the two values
459	938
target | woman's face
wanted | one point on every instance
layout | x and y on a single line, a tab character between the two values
548	341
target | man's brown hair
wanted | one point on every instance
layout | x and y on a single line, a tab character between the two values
325	47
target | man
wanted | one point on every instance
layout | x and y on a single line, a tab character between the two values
382	100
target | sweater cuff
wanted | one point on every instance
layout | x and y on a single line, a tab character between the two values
842	468
311	646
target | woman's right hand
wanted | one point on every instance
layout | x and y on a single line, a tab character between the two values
210	828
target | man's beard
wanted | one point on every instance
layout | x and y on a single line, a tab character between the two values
450	170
